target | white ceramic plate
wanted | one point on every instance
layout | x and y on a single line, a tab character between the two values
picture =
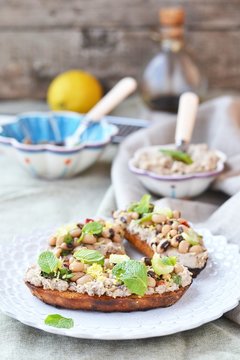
214	292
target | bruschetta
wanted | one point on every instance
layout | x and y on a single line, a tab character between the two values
88	280
152	229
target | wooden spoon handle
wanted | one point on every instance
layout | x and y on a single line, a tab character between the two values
187	111
115	96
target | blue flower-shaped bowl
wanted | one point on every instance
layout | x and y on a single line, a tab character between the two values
32	139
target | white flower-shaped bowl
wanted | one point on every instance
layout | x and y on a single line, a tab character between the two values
175	186
46	160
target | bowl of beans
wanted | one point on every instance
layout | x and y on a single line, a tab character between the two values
167	172
36	141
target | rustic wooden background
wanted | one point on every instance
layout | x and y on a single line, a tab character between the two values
110	38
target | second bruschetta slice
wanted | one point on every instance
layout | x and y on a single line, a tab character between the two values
101	235
152	229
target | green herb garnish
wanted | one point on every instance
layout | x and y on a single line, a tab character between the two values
89	256
64	273
133	274
177	279
163	265
59	321
68	239
164	211
146	217
192	237
143	206
65	252
178	155
48	262
91	228
169	260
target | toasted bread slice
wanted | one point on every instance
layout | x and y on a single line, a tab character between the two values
144	248
76	301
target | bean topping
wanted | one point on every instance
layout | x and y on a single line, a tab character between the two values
173	233
59	241
84	279
166	229
123	219
75	233
117	238
174	242
176	214
111	233
197	249
77	275
58	252
76	266
164	245
183	247
179	238
52	241
151	273
178	268
147	261
158	218
134	215
89	239
151	282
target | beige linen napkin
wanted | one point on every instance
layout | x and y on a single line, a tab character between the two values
218	124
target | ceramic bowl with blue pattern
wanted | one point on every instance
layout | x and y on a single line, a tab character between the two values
32	139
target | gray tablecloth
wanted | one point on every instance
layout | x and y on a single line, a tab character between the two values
27	203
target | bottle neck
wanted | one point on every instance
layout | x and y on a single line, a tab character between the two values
172	38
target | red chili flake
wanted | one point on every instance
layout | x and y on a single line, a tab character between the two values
88	220
27	160
184	222
67	161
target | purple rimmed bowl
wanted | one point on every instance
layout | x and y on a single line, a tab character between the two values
175	186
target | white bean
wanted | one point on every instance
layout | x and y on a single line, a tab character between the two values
84	279
151	282
52	241
183	247
197	249
76	266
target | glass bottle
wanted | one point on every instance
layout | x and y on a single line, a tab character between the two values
172	71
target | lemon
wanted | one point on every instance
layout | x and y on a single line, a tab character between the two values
74	90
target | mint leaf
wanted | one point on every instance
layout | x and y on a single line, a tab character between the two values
89	256
178	155
133	274
59	321
146	217
92	228
143	206
48	262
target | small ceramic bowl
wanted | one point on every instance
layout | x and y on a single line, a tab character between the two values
175	186
40	158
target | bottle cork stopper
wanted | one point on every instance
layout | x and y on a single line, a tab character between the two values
171	16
